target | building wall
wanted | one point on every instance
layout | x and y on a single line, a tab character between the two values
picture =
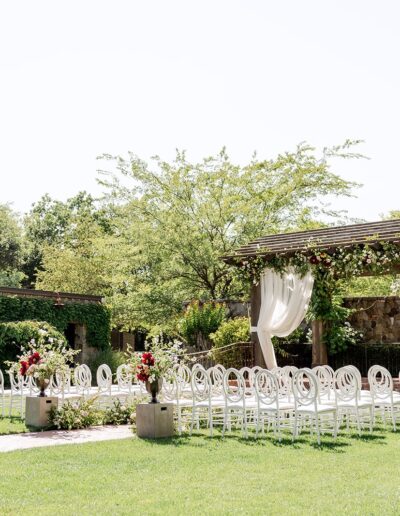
377	318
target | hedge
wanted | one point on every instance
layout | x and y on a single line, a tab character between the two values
96	317
13	335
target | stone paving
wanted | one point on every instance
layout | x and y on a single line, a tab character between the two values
60	437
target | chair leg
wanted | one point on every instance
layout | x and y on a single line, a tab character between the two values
192	422
317	429
210	420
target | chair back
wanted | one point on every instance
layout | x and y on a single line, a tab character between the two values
217	378
170	388
234	386
201	384
1	382
60	382
104	377
305	387
266	388
325	375
380	382
124	377
82	377
347	384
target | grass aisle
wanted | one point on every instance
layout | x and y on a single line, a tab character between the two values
206	476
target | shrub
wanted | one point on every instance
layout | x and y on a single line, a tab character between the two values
73	416
108	356
201	321
13	335
119	413
230	332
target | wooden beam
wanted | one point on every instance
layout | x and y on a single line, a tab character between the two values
255	303
319	350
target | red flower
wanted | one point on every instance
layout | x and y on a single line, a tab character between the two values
24	367
34	358
148	359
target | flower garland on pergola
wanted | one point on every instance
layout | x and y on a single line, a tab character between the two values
328	268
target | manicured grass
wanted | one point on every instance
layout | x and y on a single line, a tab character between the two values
13	425
200	475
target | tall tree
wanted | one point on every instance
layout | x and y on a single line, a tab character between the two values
10	248
177	219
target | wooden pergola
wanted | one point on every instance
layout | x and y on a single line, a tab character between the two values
325	239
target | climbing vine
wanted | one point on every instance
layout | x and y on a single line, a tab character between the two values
95	317
329	270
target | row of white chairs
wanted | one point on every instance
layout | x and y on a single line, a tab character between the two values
320	399
74	385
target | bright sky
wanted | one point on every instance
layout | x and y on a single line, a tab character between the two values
86	77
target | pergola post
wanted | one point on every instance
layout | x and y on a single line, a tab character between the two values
255	303
319	350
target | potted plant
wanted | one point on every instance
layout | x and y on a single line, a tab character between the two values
155	364
41	361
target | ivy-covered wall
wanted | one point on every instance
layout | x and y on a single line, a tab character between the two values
96	317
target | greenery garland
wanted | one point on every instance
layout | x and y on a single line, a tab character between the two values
328	269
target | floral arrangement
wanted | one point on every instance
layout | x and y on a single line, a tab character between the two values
42	360
157	361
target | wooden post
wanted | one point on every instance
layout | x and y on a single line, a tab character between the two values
255	303
319	351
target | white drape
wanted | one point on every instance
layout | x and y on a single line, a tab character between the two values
284	302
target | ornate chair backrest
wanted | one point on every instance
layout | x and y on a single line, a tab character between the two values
347	385
325	375
183	375
380	382
217	377
305	387
60	382
1	382
104	377
201	384
82	377
266	388
18	383
248	376
170	388
234	386
124	377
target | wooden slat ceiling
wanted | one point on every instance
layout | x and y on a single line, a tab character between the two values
326	239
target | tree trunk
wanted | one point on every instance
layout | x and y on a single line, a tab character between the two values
319	350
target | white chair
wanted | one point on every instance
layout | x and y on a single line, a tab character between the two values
204	407
381	387
269	406
237	401
20	387
60	386
171	394
349	402
307	408
183	374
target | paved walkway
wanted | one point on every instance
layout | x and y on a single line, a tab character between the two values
59	437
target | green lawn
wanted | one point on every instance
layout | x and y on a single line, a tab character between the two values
200	475
12	425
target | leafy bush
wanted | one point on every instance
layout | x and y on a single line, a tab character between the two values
76	415
200	320
230	332
119	413
108	356
13	335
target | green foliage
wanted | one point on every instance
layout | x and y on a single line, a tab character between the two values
96	317
10	248
13	335
76	415
107	356
200	320
119	413
230	332
86	413
175	220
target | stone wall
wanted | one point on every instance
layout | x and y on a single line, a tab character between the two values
377	318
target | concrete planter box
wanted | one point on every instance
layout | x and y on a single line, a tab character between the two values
37	410
154	420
